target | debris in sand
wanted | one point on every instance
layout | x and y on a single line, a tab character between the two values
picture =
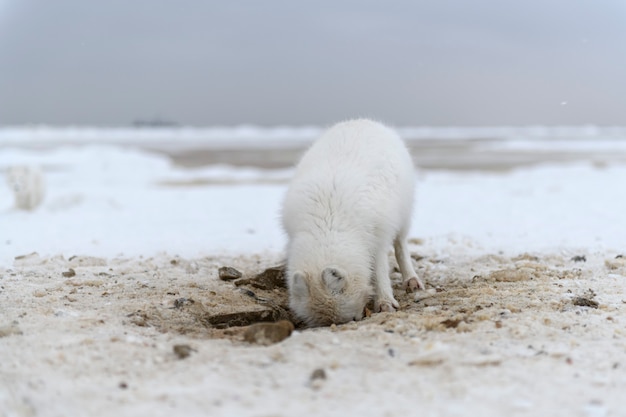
268	333
30	259
482	361
579	258
281	310
69	273
585	302
139	318
617	263
241	318
428	359
27	256
9	330
182	351
451	323
268	280
317	377
227	273
181	302
319	373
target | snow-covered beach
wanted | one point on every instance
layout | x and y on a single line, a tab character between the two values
512	228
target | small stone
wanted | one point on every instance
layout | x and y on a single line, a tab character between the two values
451	323
181	302
227	273
30	259
69	273
319	373
27	256
183	351
317	378
579	258
268	333
585	302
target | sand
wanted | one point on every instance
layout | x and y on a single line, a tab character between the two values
530	334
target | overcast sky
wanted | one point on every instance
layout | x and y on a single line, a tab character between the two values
437	62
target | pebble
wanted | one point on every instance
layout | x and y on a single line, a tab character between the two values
317	377
182	351
319	373
227	273
69	273
585	302
268	333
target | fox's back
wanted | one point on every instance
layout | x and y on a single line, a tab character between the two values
357	171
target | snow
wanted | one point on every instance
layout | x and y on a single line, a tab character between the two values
530	209
107	201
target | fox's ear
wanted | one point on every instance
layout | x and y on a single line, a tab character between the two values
299	286
334	279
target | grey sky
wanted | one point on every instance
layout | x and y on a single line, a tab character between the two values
443	62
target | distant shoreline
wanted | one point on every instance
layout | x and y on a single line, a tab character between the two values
433	148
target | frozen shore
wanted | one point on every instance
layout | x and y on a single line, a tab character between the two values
521	244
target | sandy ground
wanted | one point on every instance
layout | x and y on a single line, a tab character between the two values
531	334
494	334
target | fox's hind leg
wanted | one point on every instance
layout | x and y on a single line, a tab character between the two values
410	279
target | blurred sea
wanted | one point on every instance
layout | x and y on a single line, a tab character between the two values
449	148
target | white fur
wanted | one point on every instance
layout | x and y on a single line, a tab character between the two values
27	186
351	198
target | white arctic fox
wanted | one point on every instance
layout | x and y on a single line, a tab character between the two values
351	198
27	186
